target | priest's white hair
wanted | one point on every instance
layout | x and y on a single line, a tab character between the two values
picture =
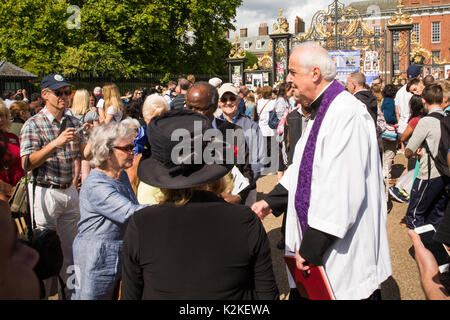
314	55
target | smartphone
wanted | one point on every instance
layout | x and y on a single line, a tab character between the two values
438	250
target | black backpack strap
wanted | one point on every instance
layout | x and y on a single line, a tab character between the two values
29	206
435	115
430	156
29	219
438	116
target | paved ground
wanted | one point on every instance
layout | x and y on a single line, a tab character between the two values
404	283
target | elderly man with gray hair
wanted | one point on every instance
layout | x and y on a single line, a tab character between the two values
356	82
333	191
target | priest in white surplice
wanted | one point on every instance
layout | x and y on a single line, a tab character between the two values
333	192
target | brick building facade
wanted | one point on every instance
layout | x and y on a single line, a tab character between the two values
430	19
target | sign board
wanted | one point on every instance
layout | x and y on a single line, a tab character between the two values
237	77
346	61
371	66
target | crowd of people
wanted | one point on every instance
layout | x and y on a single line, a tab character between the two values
152	193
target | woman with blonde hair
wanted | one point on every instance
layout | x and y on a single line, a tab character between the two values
264	106
137	95
114	109
251	105
80	110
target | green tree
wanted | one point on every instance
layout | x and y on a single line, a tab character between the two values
127	36
251	59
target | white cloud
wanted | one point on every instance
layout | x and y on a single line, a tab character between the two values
254	12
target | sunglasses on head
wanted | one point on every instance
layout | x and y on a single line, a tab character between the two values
60	93
128	148
230	98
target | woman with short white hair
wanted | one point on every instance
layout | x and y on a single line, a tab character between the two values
154	105
107	201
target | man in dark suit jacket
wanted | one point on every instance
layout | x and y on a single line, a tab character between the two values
355	85
204	98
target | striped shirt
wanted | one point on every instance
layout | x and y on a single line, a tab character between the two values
178	102
40	130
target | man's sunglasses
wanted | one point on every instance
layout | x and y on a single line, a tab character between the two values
230	98
60	93
128	148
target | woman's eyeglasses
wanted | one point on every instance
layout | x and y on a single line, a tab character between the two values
230	98
128	148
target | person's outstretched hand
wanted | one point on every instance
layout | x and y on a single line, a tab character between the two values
261	208
429	269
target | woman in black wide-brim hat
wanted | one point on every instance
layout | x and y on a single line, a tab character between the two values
193	245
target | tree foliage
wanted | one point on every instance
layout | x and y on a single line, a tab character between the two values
251	59
125	36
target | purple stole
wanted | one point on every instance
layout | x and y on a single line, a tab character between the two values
303	192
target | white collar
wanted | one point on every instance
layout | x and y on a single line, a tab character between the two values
323	90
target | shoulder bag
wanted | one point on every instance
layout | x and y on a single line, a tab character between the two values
46	242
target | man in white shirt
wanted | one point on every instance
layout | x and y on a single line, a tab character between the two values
336	207
168	94
402	98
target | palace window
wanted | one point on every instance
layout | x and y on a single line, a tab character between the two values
13	86
416	30
377	30
395	37
258	44
396	62
435	54
436	32
246	45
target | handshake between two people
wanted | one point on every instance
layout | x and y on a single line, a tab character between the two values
262	209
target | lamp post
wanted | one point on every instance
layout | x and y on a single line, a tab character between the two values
236	61
280	48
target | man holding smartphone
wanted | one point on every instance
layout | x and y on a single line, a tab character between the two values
52	145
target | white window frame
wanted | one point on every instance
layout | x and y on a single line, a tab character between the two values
395	37
416	28
377	30
246	45
258	45
396	61
437	54
434	31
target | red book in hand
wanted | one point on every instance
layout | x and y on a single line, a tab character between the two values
314	286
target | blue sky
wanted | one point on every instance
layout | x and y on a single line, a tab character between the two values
254	12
